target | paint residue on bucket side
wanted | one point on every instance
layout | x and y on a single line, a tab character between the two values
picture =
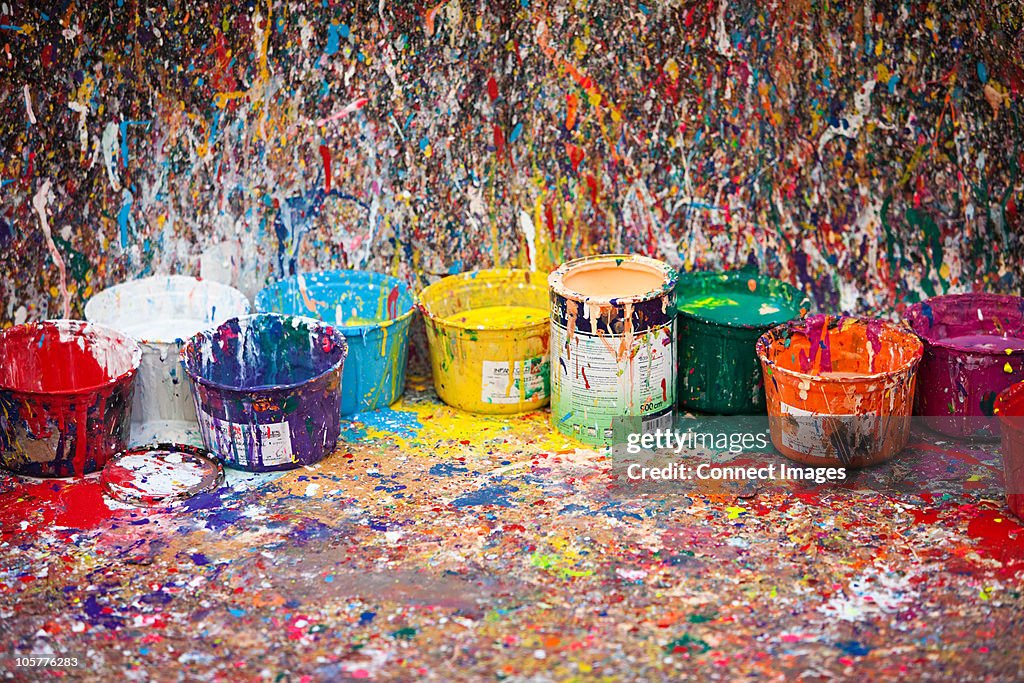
488	334
721	316
268	390
372	310
65	396
974	349
612	345
839	389
1009	406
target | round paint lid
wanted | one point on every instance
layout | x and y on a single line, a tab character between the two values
161	473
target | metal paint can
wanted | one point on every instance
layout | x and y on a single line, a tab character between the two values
488	337
613	345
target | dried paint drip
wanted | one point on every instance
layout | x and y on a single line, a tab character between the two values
160	474
1009	406
721	317
488	335
267	389
613	340
159	312
974	349
372	310
65	396
839	390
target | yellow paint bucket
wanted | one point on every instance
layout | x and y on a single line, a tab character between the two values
488	333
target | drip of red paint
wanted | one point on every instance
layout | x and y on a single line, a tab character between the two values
76	505
393	303
325	155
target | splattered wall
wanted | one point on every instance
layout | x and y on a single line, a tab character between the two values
870	154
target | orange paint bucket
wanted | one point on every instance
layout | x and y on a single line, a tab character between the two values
839	390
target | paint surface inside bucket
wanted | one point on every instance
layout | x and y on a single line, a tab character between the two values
613	350
739	308
492	317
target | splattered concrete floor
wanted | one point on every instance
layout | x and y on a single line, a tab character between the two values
442	546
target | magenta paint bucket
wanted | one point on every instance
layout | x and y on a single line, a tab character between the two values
65	396
267	390
974	349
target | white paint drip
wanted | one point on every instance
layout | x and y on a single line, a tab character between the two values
42	197
110	153
530	233
28	106
849	127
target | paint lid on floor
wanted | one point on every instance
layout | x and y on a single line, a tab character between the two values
159	474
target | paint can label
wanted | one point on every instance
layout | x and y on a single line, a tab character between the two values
821	436
603	377
514	381
248	444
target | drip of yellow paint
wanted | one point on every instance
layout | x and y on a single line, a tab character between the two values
496	317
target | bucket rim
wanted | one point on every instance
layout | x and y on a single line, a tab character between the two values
909	368
109	292
916	313
556	284
346	330
801	298
136	356
487	273
309	322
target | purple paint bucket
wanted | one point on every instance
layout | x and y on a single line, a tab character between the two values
267	389
974	349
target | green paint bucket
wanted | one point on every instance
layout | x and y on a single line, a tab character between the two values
721	317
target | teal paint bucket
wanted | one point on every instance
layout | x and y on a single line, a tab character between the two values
721	316
371	310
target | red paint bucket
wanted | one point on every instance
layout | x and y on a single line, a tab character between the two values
839	389
973	350
65	396
1009	407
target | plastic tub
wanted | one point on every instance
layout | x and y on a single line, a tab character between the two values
267	390
65	396
839	390
372	310
159	312
488	336
721	317
974	349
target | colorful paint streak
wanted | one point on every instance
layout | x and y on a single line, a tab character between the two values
372	310
974	349
161	474
839	390
267	390
65	396
721	317
159	312
483	362
613	338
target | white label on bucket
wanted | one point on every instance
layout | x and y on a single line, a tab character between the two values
271	442
514	381
817	437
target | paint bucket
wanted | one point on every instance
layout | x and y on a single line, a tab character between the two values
974	349
721	317
372	310
161	474
65	396
488	337
159	312
839	390
1009	406
267	390
613	337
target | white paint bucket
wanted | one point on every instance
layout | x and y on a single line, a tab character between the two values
160	312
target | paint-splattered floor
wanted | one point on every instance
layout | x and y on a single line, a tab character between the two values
443	546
